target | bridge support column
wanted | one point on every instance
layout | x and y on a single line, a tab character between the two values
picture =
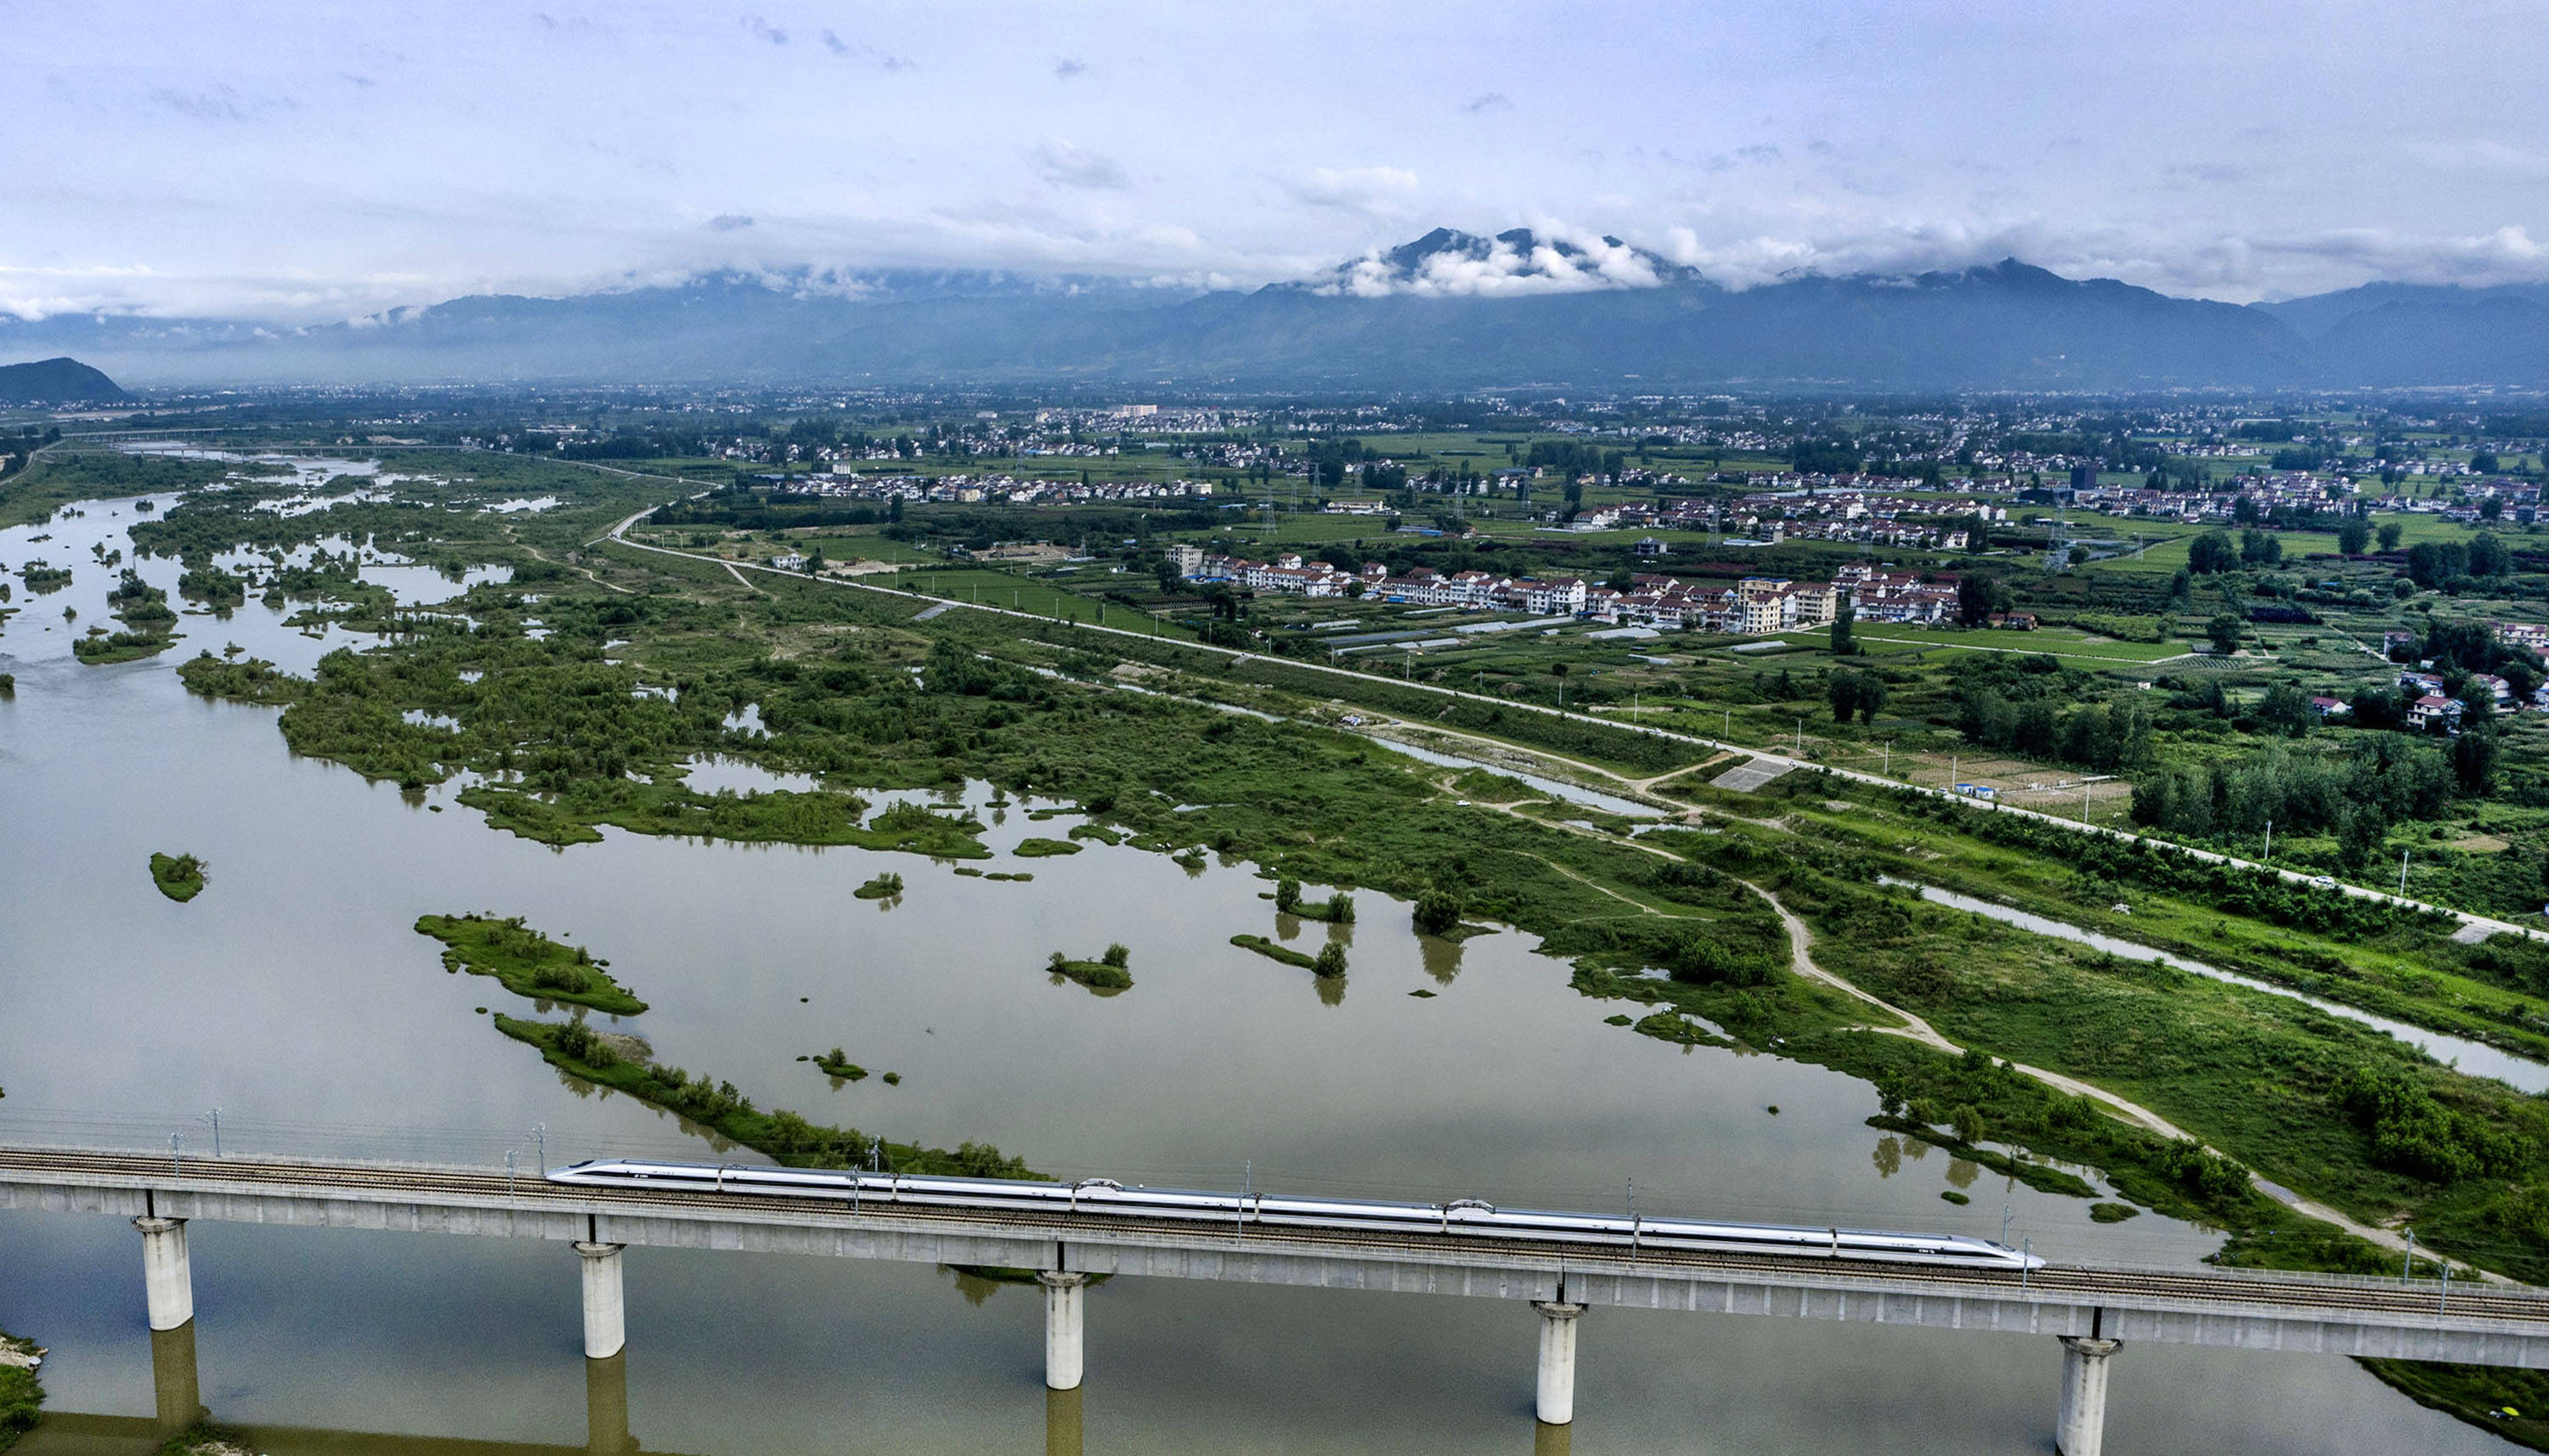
605	1310
167	1280
2081	1428
1062	1359
1557	1361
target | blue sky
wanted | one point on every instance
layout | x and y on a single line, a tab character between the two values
306	161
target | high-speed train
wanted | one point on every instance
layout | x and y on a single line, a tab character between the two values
1461	1217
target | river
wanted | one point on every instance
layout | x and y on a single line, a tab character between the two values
294	995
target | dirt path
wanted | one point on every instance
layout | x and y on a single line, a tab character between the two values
539	554
1801	960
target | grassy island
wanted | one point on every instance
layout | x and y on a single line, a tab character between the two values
577	1050
180	877
21	1396
109	648
837	1064
1105	976
883	887
526	961
1273	952
1040	848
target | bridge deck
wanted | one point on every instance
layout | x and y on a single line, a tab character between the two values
2316	1314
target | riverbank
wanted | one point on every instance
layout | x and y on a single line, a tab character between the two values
22	1395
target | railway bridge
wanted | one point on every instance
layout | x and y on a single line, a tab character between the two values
2092	1310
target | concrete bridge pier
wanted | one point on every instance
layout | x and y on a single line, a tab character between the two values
605	1309
167	1279
177	1394
2081	1428
1061	1357
605	1408
1557	1360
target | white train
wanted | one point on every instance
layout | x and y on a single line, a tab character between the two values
1463	1217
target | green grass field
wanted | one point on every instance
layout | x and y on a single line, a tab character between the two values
1043	597
2168	556
2059	642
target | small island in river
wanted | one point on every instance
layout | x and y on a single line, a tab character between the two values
180	877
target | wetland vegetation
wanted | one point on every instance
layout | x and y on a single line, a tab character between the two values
723	1110
180	877
1111	971
526	963
22	1395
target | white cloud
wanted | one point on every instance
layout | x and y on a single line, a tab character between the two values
1066	164
217	158
1371	192
1589	262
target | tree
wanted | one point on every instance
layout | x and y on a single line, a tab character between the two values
2432	563
1842	642
2492	507
1855	692
1438	911
2388	536
1119	957
1978	595
1287	895
2257	548
2488	556
2225	632
2473	763
2352	535
2285	709
1330	961
2485	463
1967	1121
2212	552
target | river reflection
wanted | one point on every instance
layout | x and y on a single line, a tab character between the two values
294	995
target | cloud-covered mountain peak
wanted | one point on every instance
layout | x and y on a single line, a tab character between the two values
1450	263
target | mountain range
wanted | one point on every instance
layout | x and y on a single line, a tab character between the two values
1447	310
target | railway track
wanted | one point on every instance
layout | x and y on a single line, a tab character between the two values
2195	1289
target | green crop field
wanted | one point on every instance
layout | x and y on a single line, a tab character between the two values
2058	642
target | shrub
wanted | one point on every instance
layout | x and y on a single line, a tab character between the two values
1438	912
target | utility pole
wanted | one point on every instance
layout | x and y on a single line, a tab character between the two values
2402	874
2269	842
